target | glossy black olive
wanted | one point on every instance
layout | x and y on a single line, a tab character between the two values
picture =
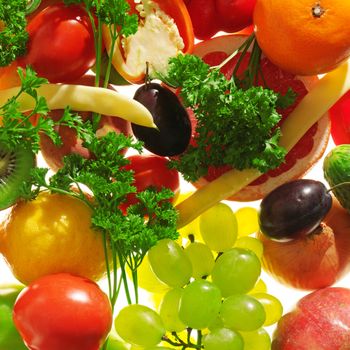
294	209
174	126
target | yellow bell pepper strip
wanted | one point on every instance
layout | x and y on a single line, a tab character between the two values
314	105
85	99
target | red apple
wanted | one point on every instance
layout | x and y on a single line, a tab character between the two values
313	261
53	154
320	321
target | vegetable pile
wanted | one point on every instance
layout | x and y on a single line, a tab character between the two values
93	217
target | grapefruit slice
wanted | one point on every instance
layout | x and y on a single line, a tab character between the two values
304	154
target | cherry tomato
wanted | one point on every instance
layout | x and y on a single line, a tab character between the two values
61	43
151	171
63	311
340	120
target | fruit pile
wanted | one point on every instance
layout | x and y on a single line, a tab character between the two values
110	110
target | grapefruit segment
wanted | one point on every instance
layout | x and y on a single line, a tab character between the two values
304	154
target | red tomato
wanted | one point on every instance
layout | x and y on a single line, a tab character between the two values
151	171
204	18
235	14
211	16
62	311
61	43
340	120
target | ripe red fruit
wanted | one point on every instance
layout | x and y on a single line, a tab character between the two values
320	321
63	311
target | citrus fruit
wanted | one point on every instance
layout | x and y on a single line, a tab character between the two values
51	234
9	77
303	37
304	154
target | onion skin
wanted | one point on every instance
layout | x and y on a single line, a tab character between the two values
315	261
320	321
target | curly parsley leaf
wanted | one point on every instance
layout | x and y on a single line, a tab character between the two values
108	182
19	128
111	12
13	35
235	127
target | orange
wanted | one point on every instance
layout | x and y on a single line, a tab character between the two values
51	234
304	37
9	77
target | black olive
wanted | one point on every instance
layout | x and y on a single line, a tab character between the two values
174	126
294	209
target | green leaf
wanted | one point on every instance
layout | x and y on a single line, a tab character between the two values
13	37
248	117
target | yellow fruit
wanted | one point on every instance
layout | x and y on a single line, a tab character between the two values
51	234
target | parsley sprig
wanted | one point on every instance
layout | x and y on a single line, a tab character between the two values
235	127
115	15
25	129
128	235
13	35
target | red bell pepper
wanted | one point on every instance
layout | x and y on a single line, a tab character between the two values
211	16
175	9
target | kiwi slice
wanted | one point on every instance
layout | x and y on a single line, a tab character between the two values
15	166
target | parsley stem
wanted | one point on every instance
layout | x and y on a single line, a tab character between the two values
243	49
98	53
115	276
114	35
135	282
124	277
105	247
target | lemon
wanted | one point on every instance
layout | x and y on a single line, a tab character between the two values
52	234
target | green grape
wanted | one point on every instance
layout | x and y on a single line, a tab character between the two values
242	312
202	259
273	307
200	304
159	348
260	287
216	323
223	339
170	263
236	271
139	325
256	340
248	222
116	344
251	243
169	310
218	227
147	279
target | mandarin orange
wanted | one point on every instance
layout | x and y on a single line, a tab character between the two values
304	37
